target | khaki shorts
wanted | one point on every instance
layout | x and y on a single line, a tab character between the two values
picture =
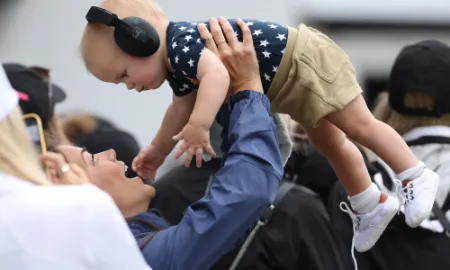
315	78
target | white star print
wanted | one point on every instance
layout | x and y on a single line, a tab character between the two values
191	31
185	49
257	32
201	52
273	26
174	45
267	77
249	23
191	62
184	73
264	43
182	28
186	86
236	33
182	89
266	54
281	37
282	52
188	37
176	59
198	40
274	69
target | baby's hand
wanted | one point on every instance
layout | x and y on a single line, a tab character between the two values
195	139
147	162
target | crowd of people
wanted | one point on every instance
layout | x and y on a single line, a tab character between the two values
280	187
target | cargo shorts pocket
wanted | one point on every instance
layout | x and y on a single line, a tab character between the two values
323	56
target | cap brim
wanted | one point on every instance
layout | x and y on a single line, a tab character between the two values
14	67
58	94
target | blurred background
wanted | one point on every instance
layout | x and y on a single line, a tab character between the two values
46	33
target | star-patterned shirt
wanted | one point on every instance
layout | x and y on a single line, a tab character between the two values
184	48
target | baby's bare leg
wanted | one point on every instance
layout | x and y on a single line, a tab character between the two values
343	155
360	125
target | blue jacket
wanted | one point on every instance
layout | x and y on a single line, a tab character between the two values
245	185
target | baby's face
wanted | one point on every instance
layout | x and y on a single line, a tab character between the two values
110	64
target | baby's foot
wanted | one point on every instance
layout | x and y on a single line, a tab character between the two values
418	193
367	228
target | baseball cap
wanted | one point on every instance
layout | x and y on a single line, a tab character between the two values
8	97
423	67
32	84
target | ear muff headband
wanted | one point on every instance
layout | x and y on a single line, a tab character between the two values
133	35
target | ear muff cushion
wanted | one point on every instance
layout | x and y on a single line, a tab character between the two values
132	46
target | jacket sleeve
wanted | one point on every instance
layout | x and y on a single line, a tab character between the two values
242	188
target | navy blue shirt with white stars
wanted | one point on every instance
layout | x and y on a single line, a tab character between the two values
184	48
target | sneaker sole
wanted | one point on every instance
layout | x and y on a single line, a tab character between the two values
386	220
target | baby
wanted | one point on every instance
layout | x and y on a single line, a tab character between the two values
304	74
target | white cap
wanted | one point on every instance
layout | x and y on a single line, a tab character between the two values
8	96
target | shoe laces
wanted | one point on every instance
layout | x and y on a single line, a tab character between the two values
404	193
356	227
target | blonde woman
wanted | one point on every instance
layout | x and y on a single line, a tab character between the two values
417	106
73	225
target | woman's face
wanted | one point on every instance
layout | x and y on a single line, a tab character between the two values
106	172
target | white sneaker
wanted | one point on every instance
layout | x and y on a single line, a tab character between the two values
418	196
367	228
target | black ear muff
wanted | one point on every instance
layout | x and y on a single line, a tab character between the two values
141	41
133	35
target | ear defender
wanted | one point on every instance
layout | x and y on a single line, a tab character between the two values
135	36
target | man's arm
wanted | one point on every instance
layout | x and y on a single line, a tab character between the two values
242	188
175	118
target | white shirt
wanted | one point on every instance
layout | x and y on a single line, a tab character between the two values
63	227
8	96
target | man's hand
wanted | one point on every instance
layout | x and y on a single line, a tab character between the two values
238	57
195	140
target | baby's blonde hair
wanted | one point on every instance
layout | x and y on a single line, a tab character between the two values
405	123
17	154
145	9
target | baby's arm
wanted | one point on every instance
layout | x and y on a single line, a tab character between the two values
175	118
212	91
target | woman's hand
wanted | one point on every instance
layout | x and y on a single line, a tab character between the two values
62	172
238	57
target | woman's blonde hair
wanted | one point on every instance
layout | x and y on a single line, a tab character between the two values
405	123
17	154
